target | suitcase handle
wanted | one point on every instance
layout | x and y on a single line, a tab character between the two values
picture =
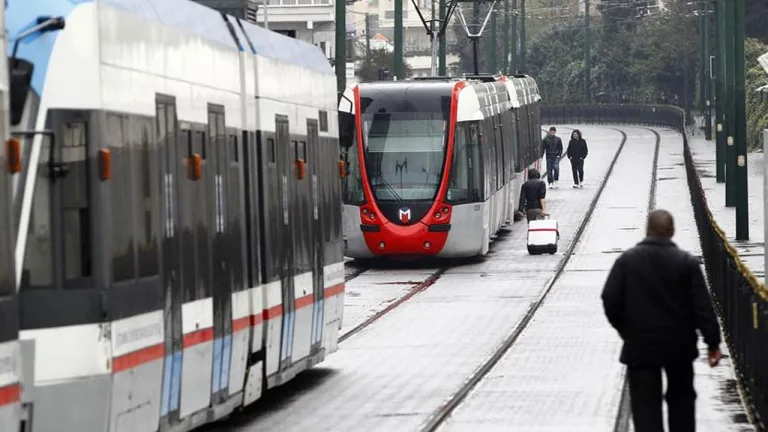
543	216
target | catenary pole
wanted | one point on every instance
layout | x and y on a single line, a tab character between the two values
587	60
399	69
341	47
505	40
441	46
730	109
740	124
720	102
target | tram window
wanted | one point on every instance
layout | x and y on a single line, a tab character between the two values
75	205
6	252
461	165
146	197
38	256
271	150
323	121
121	197
186	139
233	156
301	151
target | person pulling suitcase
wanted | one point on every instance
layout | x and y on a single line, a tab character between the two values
532	196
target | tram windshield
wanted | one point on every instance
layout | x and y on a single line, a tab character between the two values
404	154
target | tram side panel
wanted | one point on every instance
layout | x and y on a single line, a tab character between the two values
271	186
333	287
352	195
10	390
467	193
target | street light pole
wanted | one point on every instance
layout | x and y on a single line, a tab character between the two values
587	61
740	123
720	90
707	76
505	40
513	55
341	47
399	72
522	36
730	109
367	39
492	46
441	45
702	57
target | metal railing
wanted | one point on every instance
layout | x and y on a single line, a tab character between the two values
739	298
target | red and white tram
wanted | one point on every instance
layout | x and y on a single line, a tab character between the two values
434	167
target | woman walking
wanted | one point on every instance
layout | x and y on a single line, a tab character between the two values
577	152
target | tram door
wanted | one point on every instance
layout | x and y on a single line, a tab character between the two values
285	162
173	152
317	170
217	178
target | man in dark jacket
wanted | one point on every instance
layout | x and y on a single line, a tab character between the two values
656	298
552	148
532	195
577	152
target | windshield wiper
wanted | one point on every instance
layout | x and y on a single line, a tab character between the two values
379	175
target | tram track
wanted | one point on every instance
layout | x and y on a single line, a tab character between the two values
442	413
624	415
430	280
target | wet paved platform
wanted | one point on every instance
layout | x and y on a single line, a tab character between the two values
563	372
394	373
718	406
752	252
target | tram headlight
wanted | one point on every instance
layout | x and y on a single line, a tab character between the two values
438	215
427	245
381	245
446	210
371	216
365	211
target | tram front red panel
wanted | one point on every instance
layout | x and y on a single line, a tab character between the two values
405	240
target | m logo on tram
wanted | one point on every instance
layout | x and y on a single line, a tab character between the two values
405	214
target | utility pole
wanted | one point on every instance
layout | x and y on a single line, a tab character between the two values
702	56
707	76
720	90
399	69
441	45
341	47
522	36
587	60
730	108
265	3
513	55
367	38
492	45
740	123
505	40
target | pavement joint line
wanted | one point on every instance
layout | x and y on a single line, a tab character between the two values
436	419
428	282
624	415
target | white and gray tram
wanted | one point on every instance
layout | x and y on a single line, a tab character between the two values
179	226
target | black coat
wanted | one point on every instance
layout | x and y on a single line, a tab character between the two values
656	298
552	146
577	149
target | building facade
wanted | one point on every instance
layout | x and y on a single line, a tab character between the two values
311	21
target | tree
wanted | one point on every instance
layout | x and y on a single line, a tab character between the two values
380	58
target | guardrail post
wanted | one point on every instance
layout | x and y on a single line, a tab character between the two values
765	194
